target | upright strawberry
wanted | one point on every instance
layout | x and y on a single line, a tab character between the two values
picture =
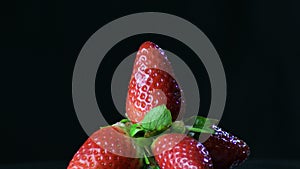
107	148
152	84
226	150
178	151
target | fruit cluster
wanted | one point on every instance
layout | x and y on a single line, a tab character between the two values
151	138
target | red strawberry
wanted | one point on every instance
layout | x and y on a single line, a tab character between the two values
107	148
152	84
178	151
226	150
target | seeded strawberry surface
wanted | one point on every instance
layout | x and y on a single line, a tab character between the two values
154	100
107	148
226	150
178	151
152	84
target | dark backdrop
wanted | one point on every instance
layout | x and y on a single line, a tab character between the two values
258	43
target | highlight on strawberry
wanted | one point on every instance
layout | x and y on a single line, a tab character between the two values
152	83
152	136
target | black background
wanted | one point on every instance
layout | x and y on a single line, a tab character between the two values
258	43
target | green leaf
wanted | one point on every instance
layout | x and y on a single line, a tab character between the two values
178	127
158	118
125	120
134	129
199	130
201	124
146	159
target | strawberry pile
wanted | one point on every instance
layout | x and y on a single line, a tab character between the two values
151	138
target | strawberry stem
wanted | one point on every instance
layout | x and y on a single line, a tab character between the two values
146	159
198	130
124	121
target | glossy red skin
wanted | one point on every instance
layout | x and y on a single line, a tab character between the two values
178	151
107	148
148	45
226	150
152	83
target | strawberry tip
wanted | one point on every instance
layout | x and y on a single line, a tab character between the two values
147	45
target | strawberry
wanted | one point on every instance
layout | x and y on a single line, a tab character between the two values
178	151
152	84
107	148
226	150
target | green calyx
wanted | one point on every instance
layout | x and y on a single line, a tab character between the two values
155	122
159	119
201	124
